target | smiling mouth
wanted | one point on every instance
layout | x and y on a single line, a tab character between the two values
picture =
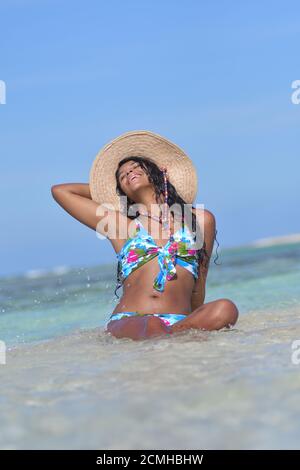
133	178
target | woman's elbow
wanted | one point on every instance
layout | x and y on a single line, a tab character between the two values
56	188
58	191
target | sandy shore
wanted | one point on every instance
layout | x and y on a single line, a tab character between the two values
229	389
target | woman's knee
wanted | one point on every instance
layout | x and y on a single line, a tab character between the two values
227	310
127	327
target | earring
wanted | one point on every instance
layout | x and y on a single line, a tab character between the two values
165	206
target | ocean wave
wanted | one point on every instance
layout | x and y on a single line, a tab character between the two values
38	273
282	240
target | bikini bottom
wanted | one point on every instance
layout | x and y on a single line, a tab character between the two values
168	318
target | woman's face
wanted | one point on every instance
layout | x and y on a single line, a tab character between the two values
132	177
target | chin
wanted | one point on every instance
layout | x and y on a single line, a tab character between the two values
136	188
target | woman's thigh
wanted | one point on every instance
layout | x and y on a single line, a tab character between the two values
210	316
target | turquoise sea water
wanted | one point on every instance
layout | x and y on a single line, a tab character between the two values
40	306
66	384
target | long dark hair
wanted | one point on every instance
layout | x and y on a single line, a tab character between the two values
155	176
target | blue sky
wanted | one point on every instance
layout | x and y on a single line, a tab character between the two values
214	77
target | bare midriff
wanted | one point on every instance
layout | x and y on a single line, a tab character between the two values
140	296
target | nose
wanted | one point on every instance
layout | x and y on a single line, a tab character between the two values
128	172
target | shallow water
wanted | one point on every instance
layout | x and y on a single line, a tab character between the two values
68	385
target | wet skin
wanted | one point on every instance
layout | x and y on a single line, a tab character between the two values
140	296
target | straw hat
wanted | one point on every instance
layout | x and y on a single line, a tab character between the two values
180	169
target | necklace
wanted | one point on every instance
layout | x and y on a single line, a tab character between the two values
160	220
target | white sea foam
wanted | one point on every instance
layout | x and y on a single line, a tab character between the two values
38	273
61	269
35	273
280	240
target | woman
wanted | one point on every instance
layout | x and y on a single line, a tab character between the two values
162	273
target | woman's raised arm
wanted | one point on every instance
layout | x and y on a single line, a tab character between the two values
75	198
82	189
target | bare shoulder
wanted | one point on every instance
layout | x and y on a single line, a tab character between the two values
206	217
200	211
116	227
207	223
113	221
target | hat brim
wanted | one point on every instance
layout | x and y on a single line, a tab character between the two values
180	169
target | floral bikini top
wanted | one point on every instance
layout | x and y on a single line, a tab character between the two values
142	248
